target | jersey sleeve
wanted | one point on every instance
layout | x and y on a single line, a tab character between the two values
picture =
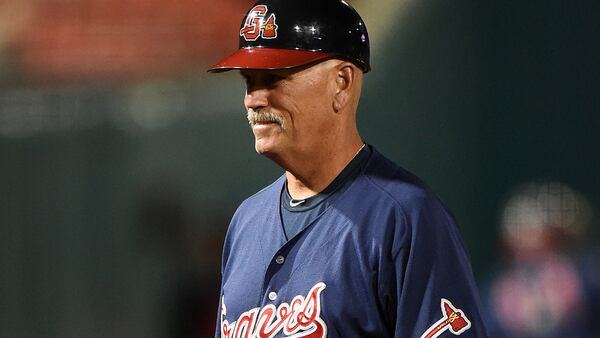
430	289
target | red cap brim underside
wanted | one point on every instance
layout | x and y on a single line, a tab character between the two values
266	58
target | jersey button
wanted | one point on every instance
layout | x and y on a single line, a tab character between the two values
279	260
272	295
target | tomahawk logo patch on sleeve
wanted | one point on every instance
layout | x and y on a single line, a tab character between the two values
453	319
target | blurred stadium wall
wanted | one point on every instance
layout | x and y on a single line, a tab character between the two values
121	161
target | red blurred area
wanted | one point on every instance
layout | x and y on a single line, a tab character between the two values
75	40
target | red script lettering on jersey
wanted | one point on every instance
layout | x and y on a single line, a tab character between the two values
300	318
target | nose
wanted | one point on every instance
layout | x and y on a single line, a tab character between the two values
256	98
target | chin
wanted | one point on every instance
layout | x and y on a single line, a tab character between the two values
262	146
267	148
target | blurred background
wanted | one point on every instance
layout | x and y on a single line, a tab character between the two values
122	160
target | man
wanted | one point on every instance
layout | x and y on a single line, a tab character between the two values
345	243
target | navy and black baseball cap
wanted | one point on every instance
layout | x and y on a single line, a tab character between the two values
278	34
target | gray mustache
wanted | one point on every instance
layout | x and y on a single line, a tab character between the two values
262	117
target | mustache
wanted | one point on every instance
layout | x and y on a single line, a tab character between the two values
256	116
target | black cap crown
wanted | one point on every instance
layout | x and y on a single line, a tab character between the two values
296	32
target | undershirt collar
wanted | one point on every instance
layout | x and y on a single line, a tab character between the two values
339	181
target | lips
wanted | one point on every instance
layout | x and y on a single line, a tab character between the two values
263	123
260	127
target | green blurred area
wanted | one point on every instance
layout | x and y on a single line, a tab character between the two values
474	97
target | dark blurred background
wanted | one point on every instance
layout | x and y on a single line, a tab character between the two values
121	160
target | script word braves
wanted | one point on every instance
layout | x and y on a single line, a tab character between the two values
300	318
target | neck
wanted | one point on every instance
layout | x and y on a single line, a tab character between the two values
315	173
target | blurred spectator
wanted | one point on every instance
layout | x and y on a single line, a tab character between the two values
549	285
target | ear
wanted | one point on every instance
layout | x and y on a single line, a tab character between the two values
345	81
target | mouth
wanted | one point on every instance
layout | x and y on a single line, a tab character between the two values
261	127
254	123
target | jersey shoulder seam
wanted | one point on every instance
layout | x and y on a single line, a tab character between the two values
388	194
400	205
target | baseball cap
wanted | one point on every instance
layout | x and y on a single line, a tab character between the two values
278	34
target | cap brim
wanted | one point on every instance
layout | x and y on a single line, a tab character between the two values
267	58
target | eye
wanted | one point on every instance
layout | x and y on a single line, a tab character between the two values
262	79
272	78
250	81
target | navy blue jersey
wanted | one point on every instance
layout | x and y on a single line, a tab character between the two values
384	259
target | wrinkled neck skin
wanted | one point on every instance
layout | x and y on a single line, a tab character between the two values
311	170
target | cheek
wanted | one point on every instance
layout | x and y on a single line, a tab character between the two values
306	106
309	99
291	104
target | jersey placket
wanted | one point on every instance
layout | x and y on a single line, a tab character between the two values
273	293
